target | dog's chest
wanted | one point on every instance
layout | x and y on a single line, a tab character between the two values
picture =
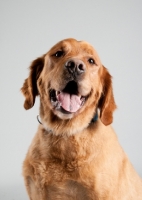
59	170
60	162
68	189
60	178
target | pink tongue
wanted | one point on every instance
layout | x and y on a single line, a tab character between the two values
70	103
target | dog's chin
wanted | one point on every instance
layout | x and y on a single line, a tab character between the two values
62	114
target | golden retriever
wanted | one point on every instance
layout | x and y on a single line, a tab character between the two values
75	154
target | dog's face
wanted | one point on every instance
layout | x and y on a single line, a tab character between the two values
70	79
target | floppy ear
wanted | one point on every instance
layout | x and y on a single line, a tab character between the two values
29	88
106	103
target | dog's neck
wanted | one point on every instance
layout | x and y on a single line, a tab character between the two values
94	119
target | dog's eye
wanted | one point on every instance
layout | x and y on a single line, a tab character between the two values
59	54
91	61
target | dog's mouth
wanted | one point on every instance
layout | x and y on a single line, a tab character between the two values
68	100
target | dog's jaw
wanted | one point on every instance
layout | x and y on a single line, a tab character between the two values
58	123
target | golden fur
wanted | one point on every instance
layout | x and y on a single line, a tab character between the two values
70	157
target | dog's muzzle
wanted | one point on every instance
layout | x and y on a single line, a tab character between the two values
69	100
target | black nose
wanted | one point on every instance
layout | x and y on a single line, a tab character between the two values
75	66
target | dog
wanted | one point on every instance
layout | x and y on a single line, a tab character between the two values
75	154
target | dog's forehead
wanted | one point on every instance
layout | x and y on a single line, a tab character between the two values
74	45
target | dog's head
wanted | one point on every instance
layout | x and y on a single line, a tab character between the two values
71	82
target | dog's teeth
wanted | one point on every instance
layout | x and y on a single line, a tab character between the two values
57	92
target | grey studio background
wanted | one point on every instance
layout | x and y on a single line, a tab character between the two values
30	28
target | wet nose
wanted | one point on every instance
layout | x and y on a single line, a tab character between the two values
75	66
